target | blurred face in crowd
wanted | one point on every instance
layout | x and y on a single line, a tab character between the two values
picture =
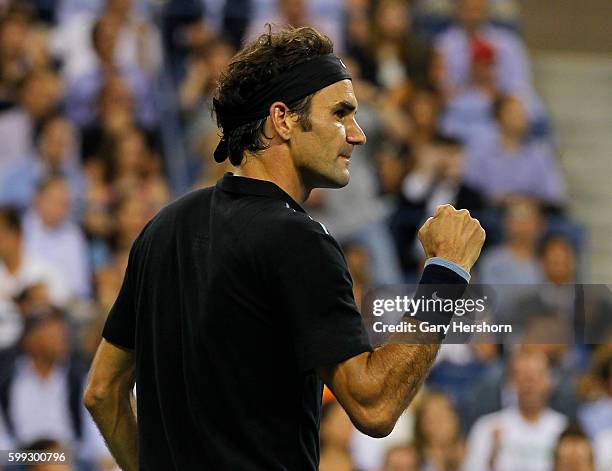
294	11
131	218
106	36
56	141
53	203
10	240
392	19
531	378
513	118
559	261
321	154
472	13
424	109
452	162
12	37
523	221
439	422
404	458
119	7
336	427
48	340
574	454
41	93
131	154
218	58
392	169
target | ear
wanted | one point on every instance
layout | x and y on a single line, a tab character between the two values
281	120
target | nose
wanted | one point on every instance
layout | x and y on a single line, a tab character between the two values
354	134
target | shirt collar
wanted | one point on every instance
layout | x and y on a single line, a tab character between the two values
250	186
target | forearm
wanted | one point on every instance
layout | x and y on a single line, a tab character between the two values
116	420
398	371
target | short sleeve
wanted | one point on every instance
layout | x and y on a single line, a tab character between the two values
120	327
315	294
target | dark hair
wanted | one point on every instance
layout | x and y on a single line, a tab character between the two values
575	431
256	65
49	180
11	218
441	139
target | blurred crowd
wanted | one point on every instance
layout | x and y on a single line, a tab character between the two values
105	117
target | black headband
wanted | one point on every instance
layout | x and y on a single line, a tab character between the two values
303	79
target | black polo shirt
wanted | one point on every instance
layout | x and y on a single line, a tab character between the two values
232	296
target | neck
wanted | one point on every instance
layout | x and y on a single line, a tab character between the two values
274	167
510	142
521	249
531	415
42	366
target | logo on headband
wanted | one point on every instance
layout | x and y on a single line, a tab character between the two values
343	65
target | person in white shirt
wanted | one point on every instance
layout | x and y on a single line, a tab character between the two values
523	437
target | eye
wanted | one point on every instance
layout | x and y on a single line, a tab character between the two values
340	113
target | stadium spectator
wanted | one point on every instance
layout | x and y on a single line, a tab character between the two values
512	164
574	451
84	89
37	97
530	426
57	154
49	446
596	416
71	41
20	269
467	114
41	387
512	68
515	261
437	178
437	435
50	235
402	458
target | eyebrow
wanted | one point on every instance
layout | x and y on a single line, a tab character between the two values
344	105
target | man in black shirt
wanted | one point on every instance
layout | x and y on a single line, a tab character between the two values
236	306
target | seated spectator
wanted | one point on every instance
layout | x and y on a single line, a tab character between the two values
522	436
437	178
41	388
515	261
512	67
574	451
56	155
50	446
50	235
20	269
84	89
36	98
467	114
596	416
71	40
437	435
402	458
512	164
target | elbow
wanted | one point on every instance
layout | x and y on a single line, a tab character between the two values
375	423
95	396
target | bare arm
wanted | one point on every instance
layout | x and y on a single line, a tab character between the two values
108	397
376	387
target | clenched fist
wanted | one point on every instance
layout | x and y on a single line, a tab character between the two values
453	235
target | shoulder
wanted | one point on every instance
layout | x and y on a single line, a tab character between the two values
488	422
555	419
